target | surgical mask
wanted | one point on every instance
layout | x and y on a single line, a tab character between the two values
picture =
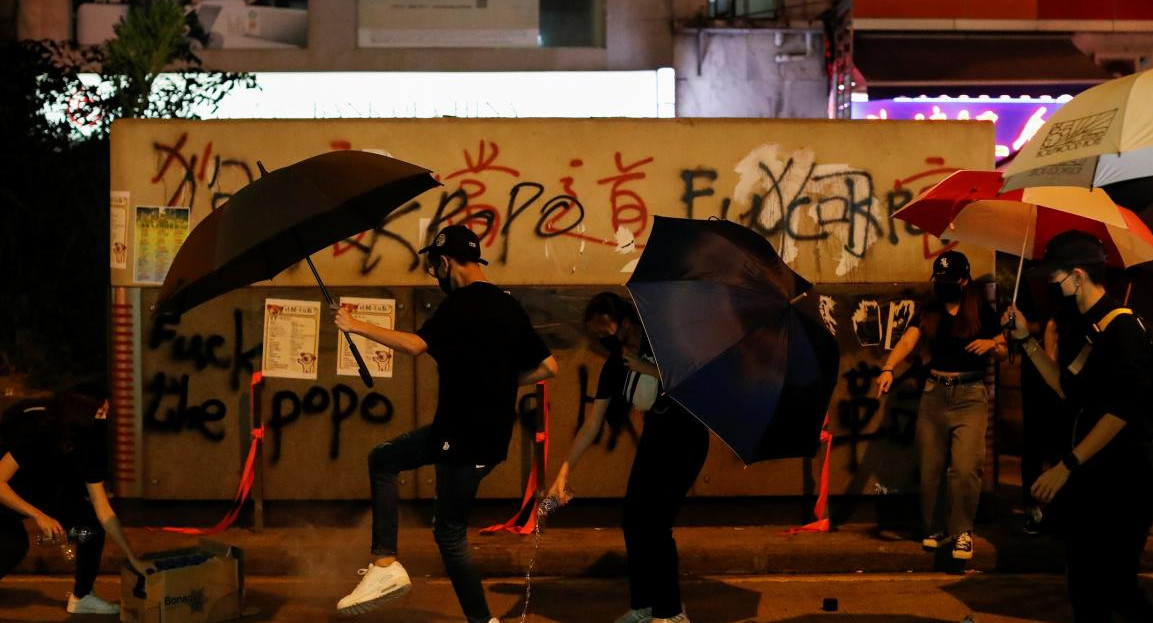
947	292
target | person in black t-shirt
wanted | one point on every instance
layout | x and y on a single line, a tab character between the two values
1105	482
484	347
963	332
53	458
670	454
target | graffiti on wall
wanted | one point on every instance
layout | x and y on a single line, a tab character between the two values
792	198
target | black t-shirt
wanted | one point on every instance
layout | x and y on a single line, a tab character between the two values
482	342
51	477
946	350
1116	378
614	379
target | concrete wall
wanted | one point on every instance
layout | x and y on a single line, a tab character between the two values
751	73
825	191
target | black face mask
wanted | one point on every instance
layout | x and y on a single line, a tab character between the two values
1064	305
947	292
445	282
611	343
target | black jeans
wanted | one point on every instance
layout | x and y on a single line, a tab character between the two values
14	544
456	487
670	455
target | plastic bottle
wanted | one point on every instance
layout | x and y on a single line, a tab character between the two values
547	506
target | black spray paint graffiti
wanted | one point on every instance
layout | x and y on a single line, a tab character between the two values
848	205
857	413
342	402
202	352
182	416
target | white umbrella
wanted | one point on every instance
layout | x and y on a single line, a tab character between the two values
1102	137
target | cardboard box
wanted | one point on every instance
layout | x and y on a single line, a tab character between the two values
202	584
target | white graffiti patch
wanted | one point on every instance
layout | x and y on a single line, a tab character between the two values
827	308
837	198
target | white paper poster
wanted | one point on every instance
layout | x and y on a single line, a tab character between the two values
159	232
118	226
900	314
291	338
378	358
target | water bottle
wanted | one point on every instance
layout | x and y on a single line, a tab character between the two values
68	542
547	506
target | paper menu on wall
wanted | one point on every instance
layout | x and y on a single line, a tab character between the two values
291	338
378	358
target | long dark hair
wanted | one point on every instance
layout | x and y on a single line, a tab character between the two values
967	323
612	305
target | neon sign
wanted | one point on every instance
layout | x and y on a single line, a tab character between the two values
1015	120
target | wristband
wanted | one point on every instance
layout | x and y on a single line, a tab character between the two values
1071	461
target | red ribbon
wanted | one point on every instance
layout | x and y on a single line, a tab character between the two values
533	479
822	522
247	477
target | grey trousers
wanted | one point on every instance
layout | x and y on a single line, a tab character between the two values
951	427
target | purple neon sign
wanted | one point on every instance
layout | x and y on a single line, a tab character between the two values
1015	120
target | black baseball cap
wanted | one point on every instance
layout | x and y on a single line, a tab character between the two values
457	242
1070	249
951	265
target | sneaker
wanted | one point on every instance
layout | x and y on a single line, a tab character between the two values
963	547
380	584
1033	519
680	618
933	541
91	604
642	615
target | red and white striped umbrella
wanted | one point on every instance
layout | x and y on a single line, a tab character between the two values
968	206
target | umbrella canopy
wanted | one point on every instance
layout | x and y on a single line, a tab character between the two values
737	336
1101	137
968	206
284	217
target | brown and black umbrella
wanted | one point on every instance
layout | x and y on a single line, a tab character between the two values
284	217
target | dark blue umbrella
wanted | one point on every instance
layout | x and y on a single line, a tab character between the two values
737	336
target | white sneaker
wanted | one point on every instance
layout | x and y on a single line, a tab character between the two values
642	615
683	617
91	604
380	584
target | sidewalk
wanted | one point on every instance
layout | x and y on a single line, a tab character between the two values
725	537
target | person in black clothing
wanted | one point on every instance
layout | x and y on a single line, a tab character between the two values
53	458
670	454
484	347
1045	417
963	332
1105	483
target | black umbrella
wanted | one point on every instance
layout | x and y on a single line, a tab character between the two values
737	336
284	217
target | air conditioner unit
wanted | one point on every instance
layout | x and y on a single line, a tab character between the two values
95	22
1121	63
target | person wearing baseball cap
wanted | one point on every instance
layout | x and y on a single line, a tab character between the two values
485	347
963	333
1105	483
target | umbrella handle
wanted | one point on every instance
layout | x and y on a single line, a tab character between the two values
364	375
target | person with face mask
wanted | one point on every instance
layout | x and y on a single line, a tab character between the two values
963	332
657	485
53	463
1105	482
485	347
